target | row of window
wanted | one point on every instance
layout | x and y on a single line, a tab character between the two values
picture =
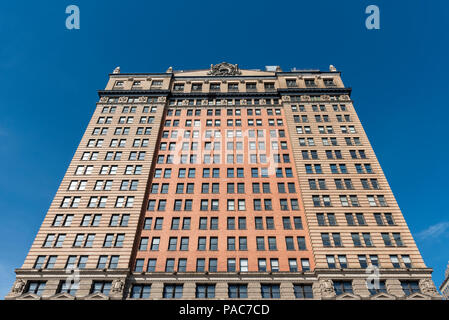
98	202
348	201
334	239
80	262
116	220
128	109
84	240
213	204
341	184
207	290
230	134
108	170
217	112
231	86
104	185
121	131
230	173
340	261
355	219
110	155
126	120
322	118
325	130
217	158
219	102
217	122
151	223
119	143
316	108
212	263
252	145
183	243
231	187
332	141
340	168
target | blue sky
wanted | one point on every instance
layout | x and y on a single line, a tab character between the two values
49	76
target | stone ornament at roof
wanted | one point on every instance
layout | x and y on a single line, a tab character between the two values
224	69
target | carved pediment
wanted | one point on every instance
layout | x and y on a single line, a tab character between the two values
348	296
418	296
29	296
96	296
62	296
383	296
224	69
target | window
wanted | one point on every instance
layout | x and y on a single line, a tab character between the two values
36	287
270	291
341	287
303	291
205	291
139	291
172	291
373	290
410	287
238	291
101	287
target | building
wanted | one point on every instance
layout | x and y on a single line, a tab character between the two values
444	288
223	183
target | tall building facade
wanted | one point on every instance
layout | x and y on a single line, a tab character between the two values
224	183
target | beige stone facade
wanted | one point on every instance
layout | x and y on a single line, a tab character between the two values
286	200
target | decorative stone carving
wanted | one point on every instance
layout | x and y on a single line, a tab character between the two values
123	99
327	288
332	68
117	286
263	101
305	98
170	70
143	99
18	287
224	69
116	70
325	97
224	102
427	287
104	99
204	102
185	102
286	98
344	97
161	99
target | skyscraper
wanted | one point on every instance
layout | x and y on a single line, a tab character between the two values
224	183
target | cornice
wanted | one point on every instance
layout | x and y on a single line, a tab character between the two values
151	92
315	90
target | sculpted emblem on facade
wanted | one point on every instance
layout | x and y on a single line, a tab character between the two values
117	286
224	69
427	287
327	288
18	286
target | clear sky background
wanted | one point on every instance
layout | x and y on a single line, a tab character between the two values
49	77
